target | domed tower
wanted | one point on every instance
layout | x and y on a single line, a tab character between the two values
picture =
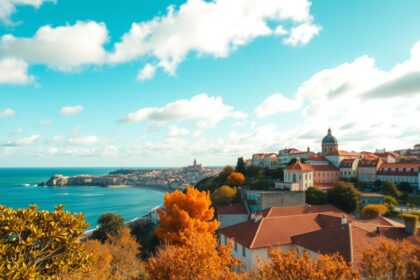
329	143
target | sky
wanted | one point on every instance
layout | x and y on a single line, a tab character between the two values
159	83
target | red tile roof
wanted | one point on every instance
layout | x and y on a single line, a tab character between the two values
370	162
235	208
299	166
328	241
298	210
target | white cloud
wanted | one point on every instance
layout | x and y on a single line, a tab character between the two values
14	71
367	107
302	34
212	28
8	7
147	72
24	141
56	139
204	109
276	103
7	113
64	48
110	151
174	131
71	110
45	122
84	140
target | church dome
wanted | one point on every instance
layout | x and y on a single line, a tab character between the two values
329	139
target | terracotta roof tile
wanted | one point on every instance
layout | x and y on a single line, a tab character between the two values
298	210
299	166
235	208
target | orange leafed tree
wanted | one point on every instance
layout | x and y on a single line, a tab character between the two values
292	266
186	214
117	258
391	260
199	258
235	179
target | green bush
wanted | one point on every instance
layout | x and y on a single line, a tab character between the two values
315	196
110	225
344	196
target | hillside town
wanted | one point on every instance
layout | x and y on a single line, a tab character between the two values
322	170
170	178
260	220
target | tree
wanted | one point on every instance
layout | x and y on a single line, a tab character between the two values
117	257
226	172
405	187
200	258
291	265
389	188
377	184
186	214
374	210
344	196
240	165
315	196
355	181
110	225
391	260
224	195
390	202
40	244
235	179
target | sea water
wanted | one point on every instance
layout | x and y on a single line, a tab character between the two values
18	189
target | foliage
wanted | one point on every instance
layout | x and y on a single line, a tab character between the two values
315	196
117	257
240	165
200	258
374	210
411	222
226	171
355	181
110	225
235	179
145	235
405	187
377	184
344	196
391	260
223	195
291	265
390	202
40	244
186	214
389	188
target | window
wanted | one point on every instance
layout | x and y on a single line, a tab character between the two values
243	251
236	247
226	241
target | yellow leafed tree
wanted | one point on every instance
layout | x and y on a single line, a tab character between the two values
292	266
199	258
117	258
186	214
391	260
40	244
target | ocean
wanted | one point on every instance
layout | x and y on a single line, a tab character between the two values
18	189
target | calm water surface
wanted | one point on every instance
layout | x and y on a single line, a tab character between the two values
18	190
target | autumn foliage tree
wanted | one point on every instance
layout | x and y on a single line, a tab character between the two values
292	266
117	258
235	179
223	195
371	211
40	244
186	214
391	260
199	258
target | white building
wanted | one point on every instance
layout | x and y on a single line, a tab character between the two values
286	155
299	173
348	168
400	172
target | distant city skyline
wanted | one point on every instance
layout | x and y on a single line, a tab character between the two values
159	83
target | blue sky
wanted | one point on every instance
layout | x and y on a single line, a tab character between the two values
158	83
